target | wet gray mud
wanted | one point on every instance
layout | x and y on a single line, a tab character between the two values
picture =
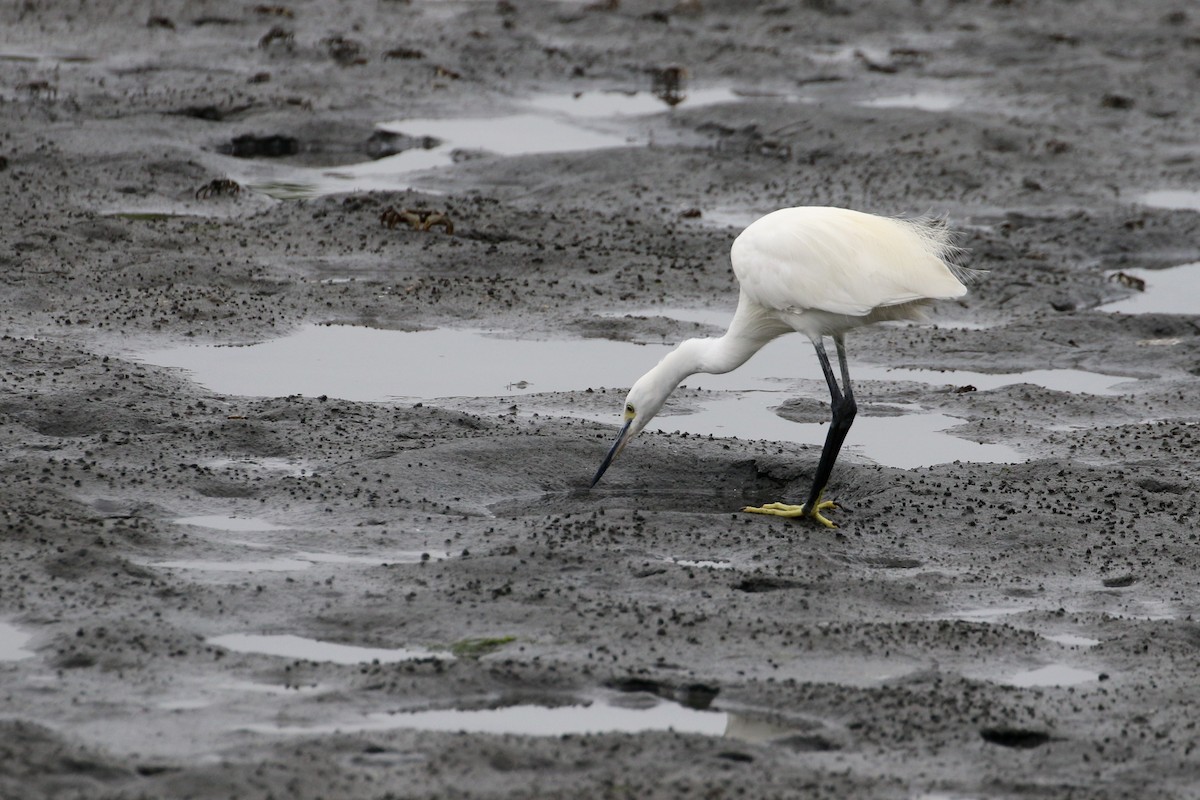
339	591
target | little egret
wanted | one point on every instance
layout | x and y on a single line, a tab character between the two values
821	272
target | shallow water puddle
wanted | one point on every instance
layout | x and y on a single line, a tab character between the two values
224	523
1181	199
905	441
1051	675
1057	380
298	561
344	361
515	134
544	124
1175	290
532	720
1071	639
289	646
922	101
12	643
510	135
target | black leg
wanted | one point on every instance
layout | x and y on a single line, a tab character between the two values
839	341
844	410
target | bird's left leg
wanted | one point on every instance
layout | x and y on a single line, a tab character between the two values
844	410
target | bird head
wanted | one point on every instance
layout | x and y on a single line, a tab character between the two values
641	404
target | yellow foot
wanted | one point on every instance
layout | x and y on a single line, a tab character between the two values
785	510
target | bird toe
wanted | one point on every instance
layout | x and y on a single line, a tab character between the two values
793	511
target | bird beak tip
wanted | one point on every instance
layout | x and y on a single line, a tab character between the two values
613	452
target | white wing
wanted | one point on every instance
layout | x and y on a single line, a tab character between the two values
841	261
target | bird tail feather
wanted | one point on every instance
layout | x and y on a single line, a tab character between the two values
937	234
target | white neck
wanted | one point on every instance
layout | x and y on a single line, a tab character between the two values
749	330
712	356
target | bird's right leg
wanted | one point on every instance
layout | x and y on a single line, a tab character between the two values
844	410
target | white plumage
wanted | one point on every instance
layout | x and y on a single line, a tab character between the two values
842	262
821	272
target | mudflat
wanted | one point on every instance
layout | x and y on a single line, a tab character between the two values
317	319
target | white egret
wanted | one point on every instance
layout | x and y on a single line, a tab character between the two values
820	272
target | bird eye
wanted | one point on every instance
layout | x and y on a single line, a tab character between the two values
629	412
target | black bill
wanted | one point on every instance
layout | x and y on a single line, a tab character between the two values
613	451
